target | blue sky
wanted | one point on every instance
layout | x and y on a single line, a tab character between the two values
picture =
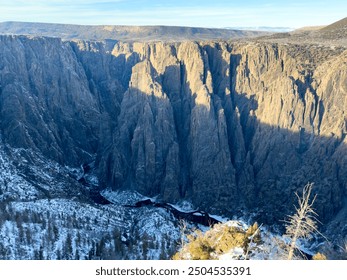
211	13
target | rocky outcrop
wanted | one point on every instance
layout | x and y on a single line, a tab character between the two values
227	125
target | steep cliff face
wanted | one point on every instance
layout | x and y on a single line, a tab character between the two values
45	99
226	125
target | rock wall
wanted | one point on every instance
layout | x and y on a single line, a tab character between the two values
227	125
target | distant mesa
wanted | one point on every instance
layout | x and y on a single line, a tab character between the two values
336	26
309	28
263	28
337	30
124	33
334	34
310	34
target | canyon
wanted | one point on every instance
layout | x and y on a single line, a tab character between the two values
232	126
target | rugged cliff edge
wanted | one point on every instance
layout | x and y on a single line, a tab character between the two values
226	125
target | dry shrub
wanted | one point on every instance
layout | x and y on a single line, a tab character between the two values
319	257
218	240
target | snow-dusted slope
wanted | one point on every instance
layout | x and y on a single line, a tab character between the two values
45	213
12	184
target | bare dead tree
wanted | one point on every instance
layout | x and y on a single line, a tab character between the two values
251	241
304	221
182	224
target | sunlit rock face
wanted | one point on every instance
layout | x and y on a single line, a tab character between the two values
226	125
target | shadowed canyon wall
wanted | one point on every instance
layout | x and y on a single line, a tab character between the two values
227	125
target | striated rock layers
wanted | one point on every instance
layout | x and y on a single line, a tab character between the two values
227	125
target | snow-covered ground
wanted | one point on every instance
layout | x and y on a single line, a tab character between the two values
45	214
65	229
12	184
